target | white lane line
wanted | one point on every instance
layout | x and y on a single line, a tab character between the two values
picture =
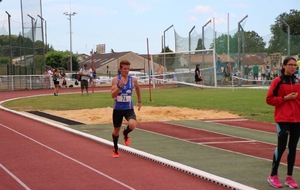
15	177
207	138
222	120
228	142
70	158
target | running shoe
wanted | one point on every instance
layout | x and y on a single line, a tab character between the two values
126	139
290	182
115	153
274	181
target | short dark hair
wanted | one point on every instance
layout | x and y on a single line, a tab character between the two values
124	62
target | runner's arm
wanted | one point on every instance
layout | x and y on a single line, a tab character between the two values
114	88
138	93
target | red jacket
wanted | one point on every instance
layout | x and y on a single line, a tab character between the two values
285	110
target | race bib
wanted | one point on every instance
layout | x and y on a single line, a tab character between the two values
123	98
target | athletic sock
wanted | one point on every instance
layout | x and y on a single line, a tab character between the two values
127	130
115	140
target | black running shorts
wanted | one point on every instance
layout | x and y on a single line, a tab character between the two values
119	114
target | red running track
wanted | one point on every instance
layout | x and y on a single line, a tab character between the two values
34	155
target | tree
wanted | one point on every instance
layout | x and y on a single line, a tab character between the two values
170	58
279	40
38	47
54	59
199	45
59	59
22	46
221	44
252	41
4	60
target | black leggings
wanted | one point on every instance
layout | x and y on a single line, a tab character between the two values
285	130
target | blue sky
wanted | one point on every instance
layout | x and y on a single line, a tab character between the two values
125	25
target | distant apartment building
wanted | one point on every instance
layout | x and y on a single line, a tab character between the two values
100	49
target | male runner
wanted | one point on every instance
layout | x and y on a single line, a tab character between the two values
121	92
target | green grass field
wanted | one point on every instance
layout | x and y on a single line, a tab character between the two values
248	103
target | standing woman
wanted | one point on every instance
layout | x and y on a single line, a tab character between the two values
198	77
197	74
56	76
283	94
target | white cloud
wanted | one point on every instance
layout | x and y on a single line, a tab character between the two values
220	18
242	5
193	18
139	7
203	9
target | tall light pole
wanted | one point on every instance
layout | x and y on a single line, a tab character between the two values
289	33
190	47
46	37
239	43
165	46
203	32
32	32
10	45
70	19
203	36
42	25
228	38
